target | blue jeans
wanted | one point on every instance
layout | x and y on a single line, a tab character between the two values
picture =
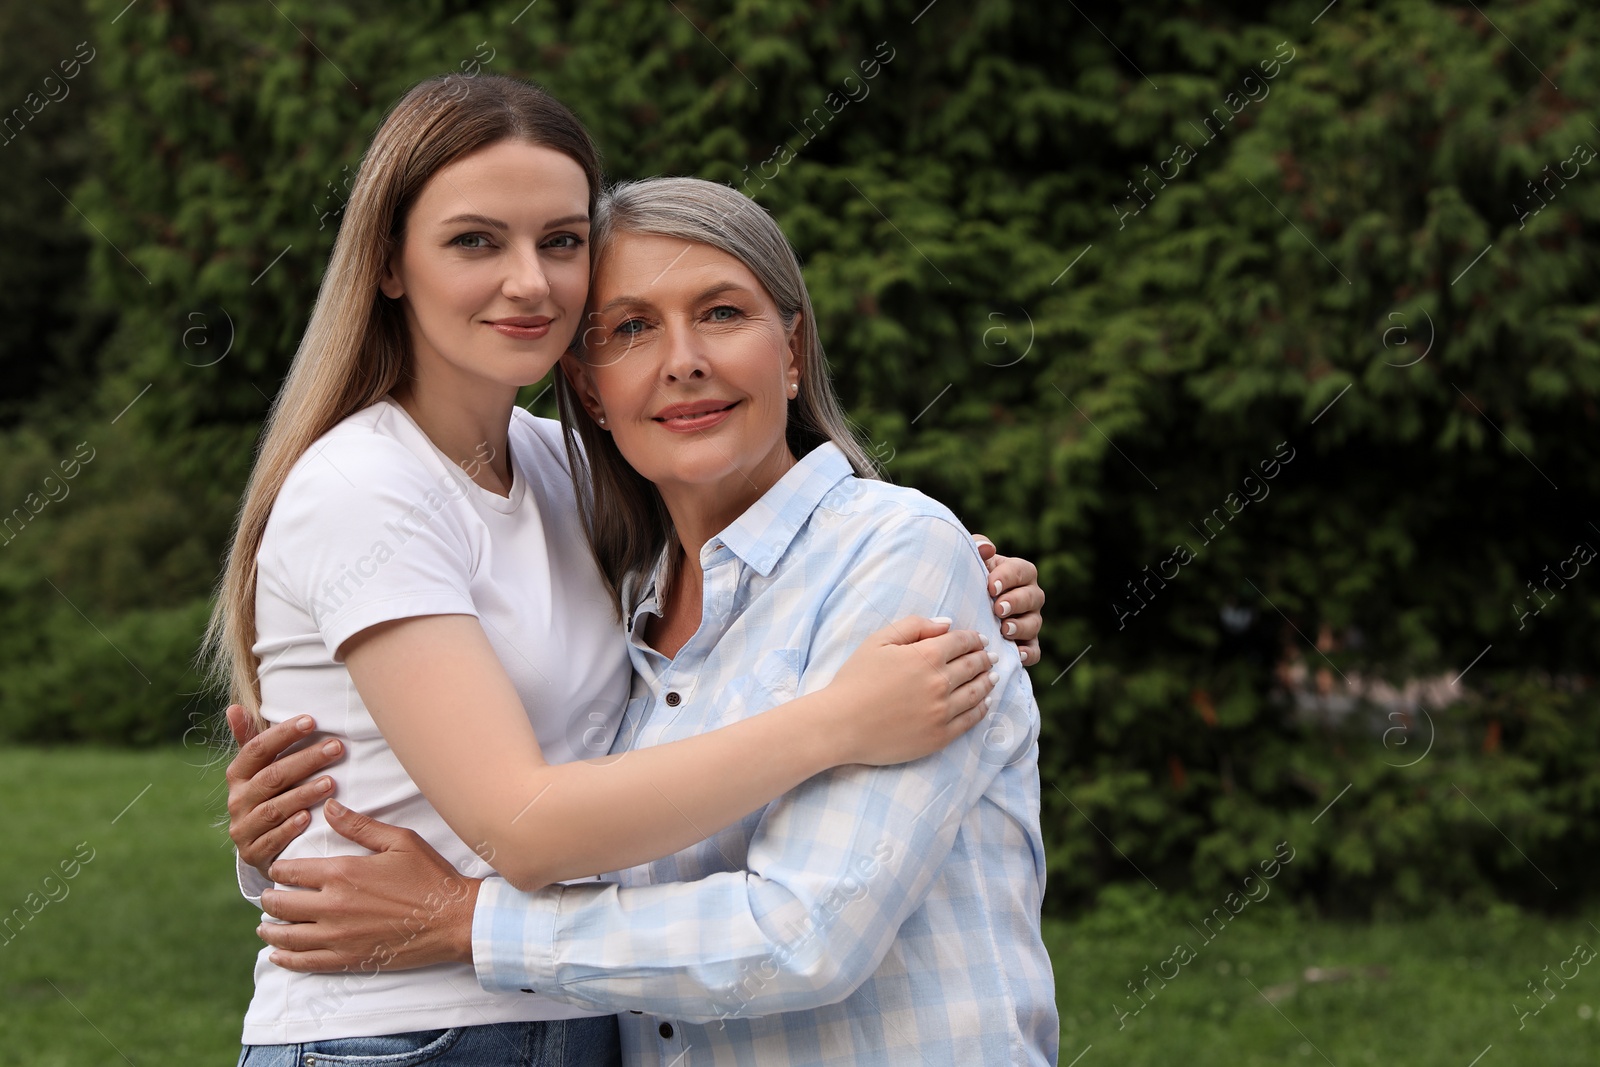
561	1043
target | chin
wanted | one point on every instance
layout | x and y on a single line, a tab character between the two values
711	471
526	371
707	464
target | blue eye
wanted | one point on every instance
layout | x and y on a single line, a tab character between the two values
717	316
471	237
623	329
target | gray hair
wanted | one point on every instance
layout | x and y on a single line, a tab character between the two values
623	514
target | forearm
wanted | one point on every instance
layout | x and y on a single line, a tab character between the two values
578	819
450	714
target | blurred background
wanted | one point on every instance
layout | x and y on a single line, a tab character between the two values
1268	330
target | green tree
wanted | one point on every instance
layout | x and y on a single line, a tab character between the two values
1261	282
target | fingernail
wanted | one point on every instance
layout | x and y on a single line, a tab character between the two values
324	784
994	657
331	748
1011	628
994	676
997	587
300	818
988	702
303	723
947	620
261	931
1005	608
334	807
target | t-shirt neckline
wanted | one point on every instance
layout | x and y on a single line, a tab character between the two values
488	497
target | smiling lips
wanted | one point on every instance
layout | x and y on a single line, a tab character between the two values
523	327
699	415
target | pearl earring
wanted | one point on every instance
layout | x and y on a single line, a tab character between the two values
794	388
602	420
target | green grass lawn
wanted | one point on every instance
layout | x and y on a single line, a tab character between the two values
145	957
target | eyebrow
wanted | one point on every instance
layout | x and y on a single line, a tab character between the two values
700	297
484	220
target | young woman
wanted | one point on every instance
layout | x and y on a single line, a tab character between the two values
409	566
869	915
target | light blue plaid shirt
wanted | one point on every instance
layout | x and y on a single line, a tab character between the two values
873	915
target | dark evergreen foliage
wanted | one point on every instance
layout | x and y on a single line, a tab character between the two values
1270	334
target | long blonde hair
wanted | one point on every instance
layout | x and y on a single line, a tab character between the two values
357	346
623	514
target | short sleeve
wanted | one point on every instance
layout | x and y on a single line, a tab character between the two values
251	881
364	532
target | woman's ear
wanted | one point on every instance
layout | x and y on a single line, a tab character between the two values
577	376
795	368
389	283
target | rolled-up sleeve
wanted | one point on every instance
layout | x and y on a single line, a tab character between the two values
833	868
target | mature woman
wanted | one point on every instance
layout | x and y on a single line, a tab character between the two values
409	565
869	915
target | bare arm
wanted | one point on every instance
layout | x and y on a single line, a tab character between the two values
444	704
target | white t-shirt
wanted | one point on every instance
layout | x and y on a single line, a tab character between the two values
375	523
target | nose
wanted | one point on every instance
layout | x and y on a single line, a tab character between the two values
525	279
684	356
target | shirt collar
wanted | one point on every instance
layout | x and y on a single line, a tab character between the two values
764	532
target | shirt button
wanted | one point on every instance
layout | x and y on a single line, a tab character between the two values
673	699
665	1029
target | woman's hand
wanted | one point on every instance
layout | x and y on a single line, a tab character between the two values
268	796
910	689
405	906
1018	599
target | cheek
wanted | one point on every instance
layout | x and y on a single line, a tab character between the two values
761	378
570	283
468	287
765	372
438	290
625	389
